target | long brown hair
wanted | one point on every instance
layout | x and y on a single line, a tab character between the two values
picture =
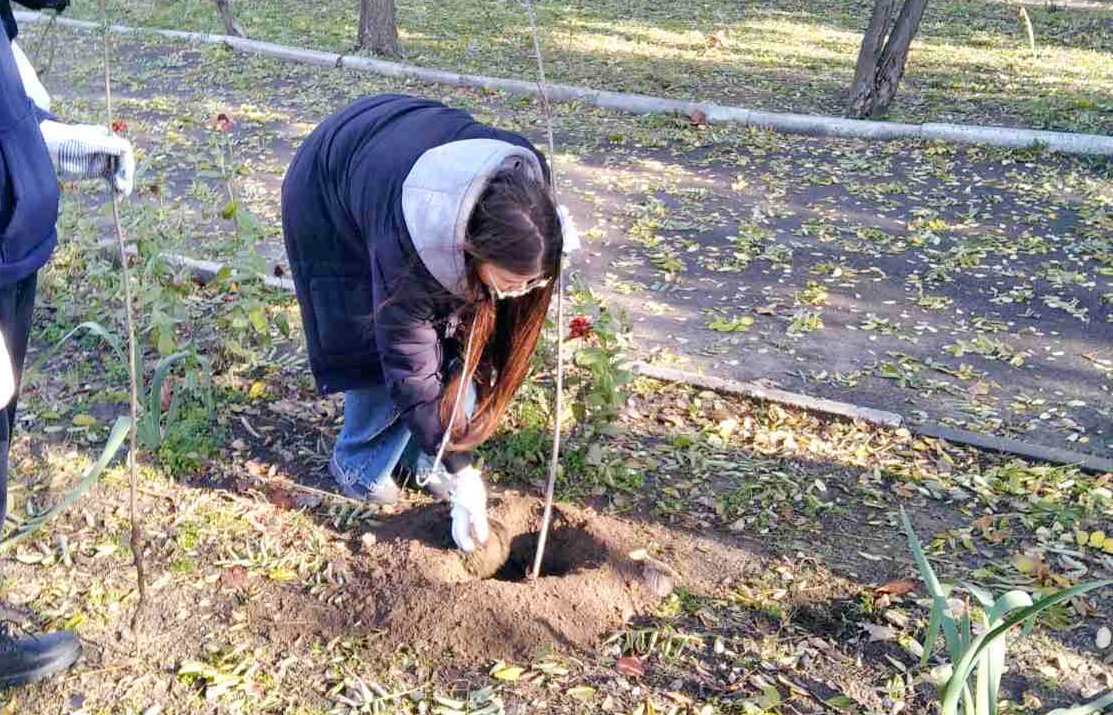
514	226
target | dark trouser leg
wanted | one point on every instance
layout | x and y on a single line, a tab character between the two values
23	660
17	302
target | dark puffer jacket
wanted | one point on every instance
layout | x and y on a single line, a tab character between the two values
373	310
28	186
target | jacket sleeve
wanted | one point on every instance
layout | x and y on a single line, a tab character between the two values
411	355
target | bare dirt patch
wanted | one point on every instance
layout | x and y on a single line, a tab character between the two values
595	577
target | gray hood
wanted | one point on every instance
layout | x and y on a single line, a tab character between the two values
440	193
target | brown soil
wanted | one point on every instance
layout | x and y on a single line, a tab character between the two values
425	593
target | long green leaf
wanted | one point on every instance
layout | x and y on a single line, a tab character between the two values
150	425
115	440
981	688
922	563
90	326
965	665
995	668
1008	603
951	633
1091	708
938	593
932	633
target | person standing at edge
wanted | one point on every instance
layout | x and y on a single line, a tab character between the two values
35	151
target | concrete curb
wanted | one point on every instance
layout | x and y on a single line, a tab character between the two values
808	124
770	394
1087	462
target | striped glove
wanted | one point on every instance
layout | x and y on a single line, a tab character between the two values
85	151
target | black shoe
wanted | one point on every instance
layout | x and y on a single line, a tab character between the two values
31	658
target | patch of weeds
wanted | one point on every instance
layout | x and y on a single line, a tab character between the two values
1017	295
812	294
223	675
768	602
665	641
731	324
1070	306
881	326
601	380
988	348
804	321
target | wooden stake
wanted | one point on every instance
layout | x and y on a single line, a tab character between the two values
133	359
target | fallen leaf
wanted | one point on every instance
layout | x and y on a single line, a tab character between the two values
506	673
897	588
233	578
630	666
879	633
84	420
583	693
281	498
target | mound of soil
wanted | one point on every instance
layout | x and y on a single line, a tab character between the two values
424	592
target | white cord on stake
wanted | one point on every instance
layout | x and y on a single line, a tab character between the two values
422	480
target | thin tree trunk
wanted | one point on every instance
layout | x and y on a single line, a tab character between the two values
378	27
883	56
231	26
861	91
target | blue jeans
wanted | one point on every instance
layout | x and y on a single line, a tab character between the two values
375	439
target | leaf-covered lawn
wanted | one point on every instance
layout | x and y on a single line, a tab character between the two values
956	284
971	63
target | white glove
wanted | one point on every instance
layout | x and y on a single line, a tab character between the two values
86	151
469	510
31	84
7	374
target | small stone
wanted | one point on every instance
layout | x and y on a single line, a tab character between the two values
897	618
368	541
1104	638
659	582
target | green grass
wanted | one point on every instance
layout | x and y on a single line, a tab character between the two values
971	62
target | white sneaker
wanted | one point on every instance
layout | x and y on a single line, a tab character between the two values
385	491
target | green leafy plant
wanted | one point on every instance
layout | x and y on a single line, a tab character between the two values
602	337
983	655
161	401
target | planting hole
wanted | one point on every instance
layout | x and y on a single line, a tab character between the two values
568	550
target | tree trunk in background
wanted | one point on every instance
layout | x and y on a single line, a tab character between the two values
883	55
378	27
231	27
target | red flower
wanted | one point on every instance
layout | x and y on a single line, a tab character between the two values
119	126
579	327
223	123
